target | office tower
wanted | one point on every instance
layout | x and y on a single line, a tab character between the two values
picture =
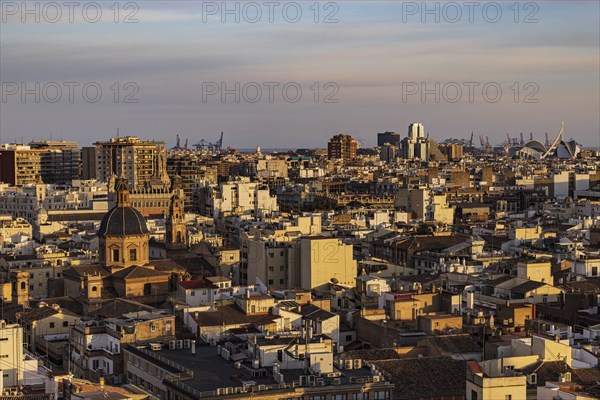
415	145
416	131
388	138
138	161
342	147
60	161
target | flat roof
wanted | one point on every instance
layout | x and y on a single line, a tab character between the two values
211	371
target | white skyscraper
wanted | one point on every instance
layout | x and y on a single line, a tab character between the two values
416	131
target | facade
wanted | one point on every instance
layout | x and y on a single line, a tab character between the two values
20	165
137	160
43	321
191	168
489	383
386	137
239	197
342	147
88	163
324	260
60	161
11	354
96	346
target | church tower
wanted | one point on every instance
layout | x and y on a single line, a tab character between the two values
176	235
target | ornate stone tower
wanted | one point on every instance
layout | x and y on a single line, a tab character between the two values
176	235
20	287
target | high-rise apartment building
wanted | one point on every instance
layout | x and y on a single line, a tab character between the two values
342	147
191	168
60	161
138	161
88	163
20	164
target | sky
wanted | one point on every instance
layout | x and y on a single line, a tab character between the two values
285	74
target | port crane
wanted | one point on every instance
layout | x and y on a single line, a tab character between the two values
210	146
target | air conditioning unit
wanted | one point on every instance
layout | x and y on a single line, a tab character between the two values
337	381
172	344
179	344
320	382
187	343
238	365
376	378
348	364
229	390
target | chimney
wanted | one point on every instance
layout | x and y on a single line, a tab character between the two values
193	347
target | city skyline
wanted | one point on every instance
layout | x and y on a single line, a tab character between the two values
370	54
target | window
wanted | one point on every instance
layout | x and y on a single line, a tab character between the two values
473	395
94	289
508	397
594	271
320	397
132	255
152	327
192	293
342	396
270	281
65	324
115	254
381	395
51	325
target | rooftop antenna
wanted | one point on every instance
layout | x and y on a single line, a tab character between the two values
530	135
522	142
547	141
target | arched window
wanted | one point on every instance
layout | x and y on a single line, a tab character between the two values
178	236
94	289
23	286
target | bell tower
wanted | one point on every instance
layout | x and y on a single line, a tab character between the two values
20	287
176	231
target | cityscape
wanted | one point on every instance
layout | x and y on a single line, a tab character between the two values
349	200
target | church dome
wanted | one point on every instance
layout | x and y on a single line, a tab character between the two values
123	220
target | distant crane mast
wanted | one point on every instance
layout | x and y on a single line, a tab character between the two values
210	146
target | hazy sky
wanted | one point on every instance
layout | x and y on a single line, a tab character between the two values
376	58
